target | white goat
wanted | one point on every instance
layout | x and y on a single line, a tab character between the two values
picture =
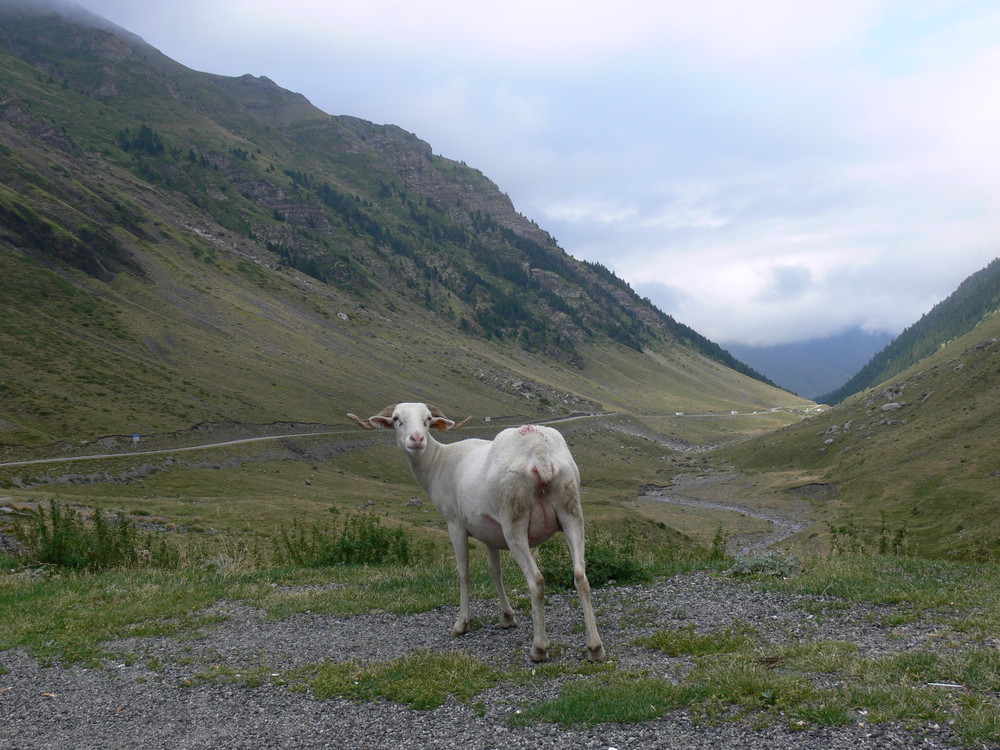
513	492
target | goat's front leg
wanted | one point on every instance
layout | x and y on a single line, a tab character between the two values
506	611
460	543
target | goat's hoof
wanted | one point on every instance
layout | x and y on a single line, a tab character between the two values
508	621
460	628
539	654
595	654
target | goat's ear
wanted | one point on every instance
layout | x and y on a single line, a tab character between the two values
382	421
372	422
442	423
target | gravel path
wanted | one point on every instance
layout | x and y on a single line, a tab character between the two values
133	705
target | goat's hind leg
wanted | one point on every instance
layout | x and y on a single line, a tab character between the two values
572	526
517	538
507	619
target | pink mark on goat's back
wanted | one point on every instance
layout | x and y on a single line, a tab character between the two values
528	429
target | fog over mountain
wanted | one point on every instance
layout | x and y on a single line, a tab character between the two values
812	368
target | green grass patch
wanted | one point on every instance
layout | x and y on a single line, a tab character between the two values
735	682
422	680
71	617
963	596
358	590
620	697
687	642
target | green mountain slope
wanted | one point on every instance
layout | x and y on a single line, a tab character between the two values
918	454
180	247
976	297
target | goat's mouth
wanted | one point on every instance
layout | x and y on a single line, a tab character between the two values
415	449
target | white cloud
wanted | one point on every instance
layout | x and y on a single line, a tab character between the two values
554	32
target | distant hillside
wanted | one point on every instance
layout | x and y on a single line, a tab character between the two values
977	297
179	247
811	368
915	459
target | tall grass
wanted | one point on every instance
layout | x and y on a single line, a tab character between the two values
359	540
612	559
60	536
88	540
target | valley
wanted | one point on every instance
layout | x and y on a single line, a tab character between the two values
200	275
194	259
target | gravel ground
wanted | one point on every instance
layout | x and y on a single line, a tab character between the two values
132	705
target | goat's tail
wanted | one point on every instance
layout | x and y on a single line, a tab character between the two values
542	471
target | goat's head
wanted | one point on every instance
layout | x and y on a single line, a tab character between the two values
412	423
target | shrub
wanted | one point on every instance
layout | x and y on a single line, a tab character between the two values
361	540
61	536
773	562
607	560
719	543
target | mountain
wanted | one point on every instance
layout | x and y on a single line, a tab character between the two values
976	298
180	248
912	461
811	368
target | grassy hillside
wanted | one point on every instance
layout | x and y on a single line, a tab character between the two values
192	258
913	460
181	248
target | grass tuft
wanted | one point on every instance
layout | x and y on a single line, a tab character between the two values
422	680
60	536
620	697
360	540
687	642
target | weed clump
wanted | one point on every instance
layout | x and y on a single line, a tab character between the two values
848	538
773	562
61	536
359	540
607	560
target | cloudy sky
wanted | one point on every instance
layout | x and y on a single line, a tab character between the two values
766	171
